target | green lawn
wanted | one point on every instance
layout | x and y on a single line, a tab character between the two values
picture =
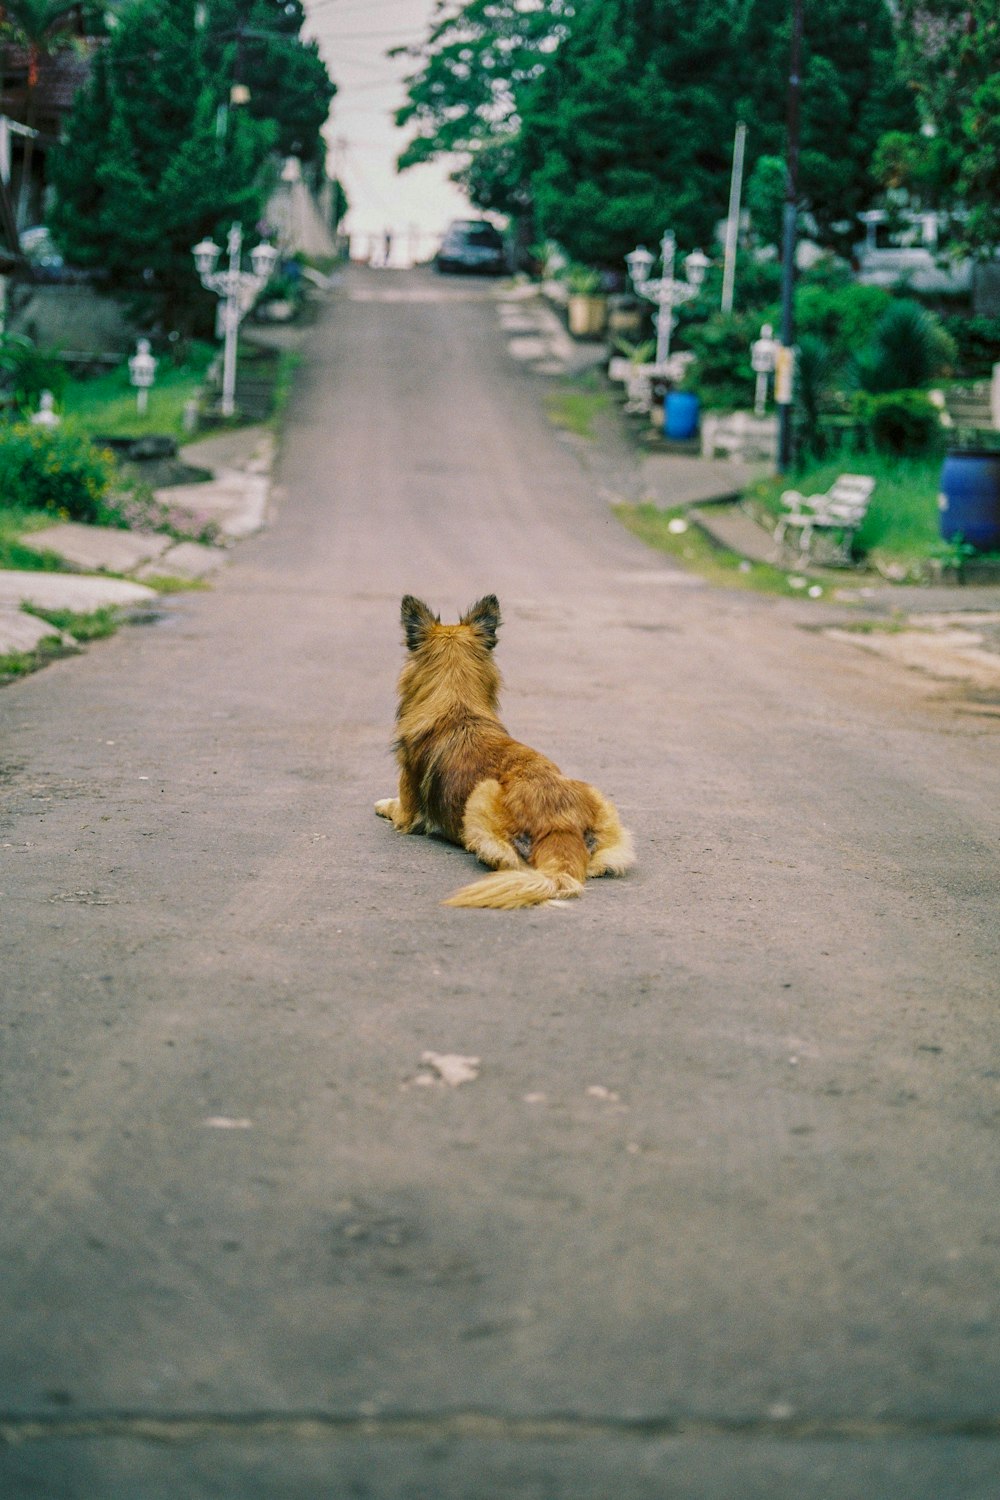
106	405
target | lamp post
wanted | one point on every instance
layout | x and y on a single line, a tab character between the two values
666	291
239	290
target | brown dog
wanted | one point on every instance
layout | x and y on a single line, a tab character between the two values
461	774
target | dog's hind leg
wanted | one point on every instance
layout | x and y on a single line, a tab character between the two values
612	852
403	811
483	828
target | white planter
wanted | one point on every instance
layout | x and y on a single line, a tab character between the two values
587	315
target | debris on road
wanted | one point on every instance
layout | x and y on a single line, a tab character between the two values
447	1068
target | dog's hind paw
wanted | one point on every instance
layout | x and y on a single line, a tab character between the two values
387	808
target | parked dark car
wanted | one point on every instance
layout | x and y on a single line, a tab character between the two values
472	245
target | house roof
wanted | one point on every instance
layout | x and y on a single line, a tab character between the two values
60	75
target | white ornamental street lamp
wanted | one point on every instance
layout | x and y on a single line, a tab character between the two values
239	289
142	373
667	291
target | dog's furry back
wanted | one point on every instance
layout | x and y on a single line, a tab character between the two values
463	776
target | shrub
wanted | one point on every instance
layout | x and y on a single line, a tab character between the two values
721	373
26	372
978	344
909	347
814	374
52	469
842	316
900	421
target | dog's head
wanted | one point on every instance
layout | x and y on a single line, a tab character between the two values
478	626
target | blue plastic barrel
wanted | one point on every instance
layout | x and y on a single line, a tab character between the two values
680	416
970	497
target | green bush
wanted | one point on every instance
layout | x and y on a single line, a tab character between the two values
50	469
900	421
841	315
721	373
977	341
814	375
908	348
25	371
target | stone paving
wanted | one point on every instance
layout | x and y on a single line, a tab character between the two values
236	499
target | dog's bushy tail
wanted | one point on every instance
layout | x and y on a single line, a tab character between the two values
507	890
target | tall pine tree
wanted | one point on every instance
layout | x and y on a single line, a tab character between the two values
154	157
631	125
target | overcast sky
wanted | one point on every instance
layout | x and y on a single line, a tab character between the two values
354	36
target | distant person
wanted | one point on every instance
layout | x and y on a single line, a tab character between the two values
386	247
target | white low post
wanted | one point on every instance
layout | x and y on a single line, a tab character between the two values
142	372
762	358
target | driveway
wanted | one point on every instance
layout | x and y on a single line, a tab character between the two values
717	1216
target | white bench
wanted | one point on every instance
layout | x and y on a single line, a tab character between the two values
837	515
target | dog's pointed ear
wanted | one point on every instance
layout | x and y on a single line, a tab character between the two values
417	620
484	617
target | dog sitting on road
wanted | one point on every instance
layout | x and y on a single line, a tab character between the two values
462	776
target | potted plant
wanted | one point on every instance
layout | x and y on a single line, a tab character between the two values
587	307
623	365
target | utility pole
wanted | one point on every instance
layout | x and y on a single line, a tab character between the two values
784	376
733	221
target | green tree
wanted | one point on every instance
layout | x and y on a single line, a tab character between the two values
630	126
476	67
852	92
951	51
257	43
144	170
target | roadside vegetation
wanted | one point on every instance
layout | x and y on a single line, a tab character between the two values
105	405
902	520
671	531
577	410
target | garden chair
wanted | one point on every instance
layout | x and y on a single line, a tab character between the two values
836	516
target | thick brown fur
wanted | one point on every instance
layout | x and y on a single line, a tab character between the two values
462	776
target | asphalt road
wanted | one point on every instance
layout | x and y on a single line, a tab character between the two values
717	1220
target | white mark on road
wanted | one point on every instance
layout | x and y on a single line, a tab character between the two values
449	1068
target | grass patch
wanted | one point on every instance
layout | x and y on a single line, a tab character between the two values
694	551
106	404
93	625
17	664
288	363
576	411
170	583
15	521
